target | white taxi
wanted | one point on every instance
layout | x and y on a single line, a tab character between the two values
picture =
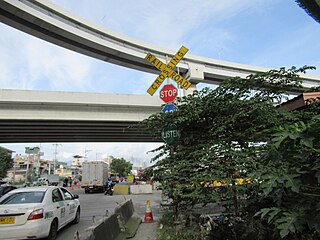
37	212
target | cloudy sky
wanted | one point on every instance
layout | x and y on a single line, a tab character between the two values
270	34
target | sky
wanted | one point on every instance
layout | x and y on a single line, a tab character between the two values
271	34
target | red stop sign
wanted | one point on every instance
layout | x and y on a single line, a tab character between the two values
168	93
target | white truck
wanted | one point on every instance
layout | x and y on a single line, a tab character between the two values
94	176
48	179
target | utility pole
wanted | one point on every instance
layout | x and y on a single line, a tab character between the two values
55	156
97	153
39	162
27	170
14	172
86	151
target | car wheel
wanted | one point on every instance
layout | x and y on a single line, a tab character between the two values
53	230
77	217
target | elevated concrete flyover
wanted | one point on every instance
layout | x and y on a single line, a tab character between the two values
45	116
48	21
31	116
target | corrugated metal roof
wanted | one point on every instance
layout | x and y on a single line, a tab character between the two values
312	7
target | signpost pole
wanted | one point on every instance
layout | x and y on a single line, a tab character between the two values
167	60
168	93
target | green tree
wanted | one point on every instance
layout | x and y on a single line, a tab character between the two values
120	166
224	133
5	162
290	179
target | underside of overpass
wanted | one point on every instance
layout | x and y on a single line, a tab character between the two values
28	116
20	131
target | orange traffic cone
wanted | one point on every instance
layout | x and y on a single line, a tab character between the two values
78	184
148	214
72	186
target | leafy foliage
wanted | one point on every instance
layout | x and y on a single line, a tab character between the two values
290	174
218	128
120	166
235	134
5	162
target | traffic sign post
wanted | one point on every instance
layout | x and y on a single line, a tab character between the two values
170	133
168	93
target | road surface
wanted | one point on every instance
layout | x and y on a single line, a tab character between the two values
95	205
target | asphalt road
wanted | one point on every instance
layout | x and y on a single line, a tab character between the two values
95	205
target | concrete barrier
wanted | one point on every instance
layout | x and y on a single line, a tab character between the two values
141	189
121	225
128	219
105	227
121	189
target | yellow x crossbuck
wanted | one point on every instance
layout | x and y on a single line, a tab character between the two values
167	70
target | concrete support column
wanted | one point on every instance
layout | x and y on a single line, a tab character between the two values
195	75
190	89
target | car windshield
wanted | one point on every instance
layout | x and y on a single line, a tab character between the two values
23	197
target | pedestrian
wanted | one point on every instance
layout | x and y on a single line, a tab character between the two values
65	182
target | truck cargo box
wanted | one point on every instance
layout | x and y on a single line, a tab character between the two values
94	176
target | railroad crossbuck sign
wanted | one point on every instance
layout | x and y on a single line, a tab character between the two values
168	70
